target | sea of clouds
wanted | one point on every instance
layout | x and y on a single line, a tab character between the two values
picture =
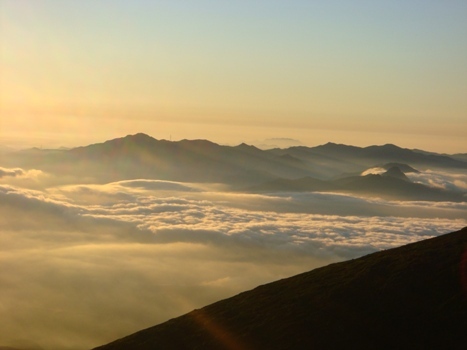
84	264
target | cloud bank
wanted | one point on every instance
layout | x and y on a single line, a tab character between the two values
85	264
445	180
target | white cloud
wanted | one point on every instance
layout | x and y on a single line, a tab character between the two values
86	264
156	185
441	179
30	178
11	172
376	170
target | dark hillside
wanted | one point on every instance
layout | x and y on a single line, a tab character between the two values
393	185
387	153
412	297
141	156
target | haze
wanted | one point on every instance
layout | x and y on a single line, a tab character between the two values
360	72
100	241
124	232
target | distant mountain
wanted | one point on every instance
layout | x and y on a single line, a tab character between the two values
396	172
405	168
393	184
326	165
393	187
460	156
339	155
141	156
190	160
412	297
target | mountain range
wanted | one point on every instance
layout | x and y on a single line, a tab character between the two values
329	167
393	184
411	297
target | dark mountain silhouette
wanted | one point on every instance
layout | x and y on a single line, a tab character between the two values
393	184
395	172
411	297
325	165
391	187
460	156
356	157
405	168
141	156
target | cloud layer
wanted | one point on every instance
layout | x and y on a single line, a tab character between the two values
86	264
441	179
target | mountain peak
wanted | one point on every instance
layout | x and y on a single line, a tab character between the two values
333	145
138	134
336	146
199	143
246	147
396	172
139	137
390	145
405	168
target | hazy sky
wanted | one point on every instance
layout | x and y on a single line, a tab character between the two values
356	72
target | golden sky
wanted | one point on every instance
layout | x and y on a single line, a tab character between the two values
359	72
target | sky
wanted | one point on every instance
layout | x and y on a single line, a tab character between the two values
354	72
84	263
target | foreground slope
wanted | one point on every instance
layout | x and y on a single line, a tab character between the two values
411	297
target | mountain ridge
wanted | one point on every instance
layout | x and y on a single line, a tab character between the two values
393	184
142	156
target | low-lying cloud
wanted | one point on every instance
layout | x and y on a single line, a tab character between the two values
445	180
85	264
25	178
11	172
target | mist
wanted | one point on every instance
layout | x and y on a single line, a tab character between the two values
85	264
